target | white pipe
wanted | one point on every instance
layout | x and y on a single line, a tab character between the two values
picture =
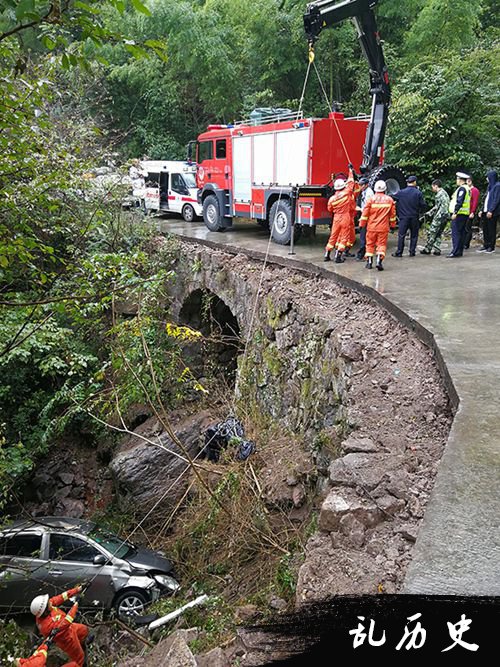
173	614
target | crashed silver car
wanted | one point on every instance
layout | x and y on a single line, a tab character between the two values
53	554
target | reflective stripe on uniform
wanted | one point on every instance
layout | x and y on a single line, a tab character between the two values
69	618
64	596
465	208
340	200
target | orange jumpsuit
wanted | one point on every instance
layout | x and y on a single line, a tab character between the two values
378	215
39	658
71	635
340	205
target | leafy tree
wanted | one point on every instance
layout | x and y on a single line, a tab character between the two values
397	18
66	253
63	24
444	117
443	25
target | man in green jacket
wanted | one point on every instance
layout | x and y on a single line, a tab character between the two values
440	216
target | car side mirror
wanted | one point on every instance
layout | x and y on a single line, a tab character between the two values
100	560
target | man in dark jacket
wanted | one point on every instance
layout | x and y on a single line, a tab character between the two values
409	204
490	213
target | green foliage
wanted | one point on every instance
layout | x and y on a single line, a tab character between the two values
445	116
443	25
64	28
68	256
35	373
286	577
14	642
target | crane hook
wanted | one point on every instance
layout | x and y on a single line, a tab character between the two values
311	52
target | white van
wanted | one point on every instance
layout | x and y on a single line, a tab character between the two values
170	186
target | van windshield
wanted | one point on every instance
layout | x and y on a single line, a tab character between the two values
189	179
115	545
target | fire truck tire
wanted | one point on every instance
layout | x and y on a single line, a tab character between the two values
280	222
211	213
394	177
188	213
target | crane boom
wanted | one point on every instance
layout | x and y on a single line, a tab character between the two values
325	13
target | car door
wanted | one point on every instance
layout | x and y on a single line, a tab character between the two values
152	191
22	569
72	562
178	190
164	191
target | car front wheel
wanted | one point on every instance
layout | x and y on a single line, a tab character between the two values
130	603
188	213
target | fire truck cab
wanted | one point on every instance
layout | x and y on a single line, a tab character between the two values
258	171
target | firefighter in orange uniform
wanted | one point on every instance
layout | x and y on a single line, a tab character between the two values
340	205
70	635
39	657
378	216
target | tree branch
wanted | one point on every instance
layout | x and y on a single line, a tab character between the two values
25	26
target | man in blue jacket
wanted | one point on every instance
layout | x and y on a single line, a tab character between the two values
409	204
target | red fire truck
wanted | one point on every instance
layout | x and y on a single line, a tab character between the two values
279	170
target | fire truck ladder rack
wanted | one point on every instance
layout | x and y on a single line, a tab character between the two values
359	116
266	120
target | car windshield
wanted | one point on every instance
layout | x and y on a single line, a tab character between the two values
190	179
112	543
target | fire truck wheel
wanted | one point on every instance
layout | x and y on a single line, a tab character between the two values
188	213
211	213
280	222
394	177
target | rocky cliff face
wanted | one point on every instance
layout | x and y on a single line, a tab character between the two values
149	466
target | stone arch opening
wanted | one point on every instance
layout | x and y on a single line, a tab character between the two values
217	355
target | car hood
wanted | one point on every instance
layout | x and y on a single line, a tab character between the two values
145	559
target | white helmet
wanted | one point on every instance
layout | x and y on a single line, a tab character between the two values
380	186
339	184
39	605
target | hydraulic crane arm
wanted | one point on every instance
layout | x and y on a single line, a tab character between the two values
325	13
